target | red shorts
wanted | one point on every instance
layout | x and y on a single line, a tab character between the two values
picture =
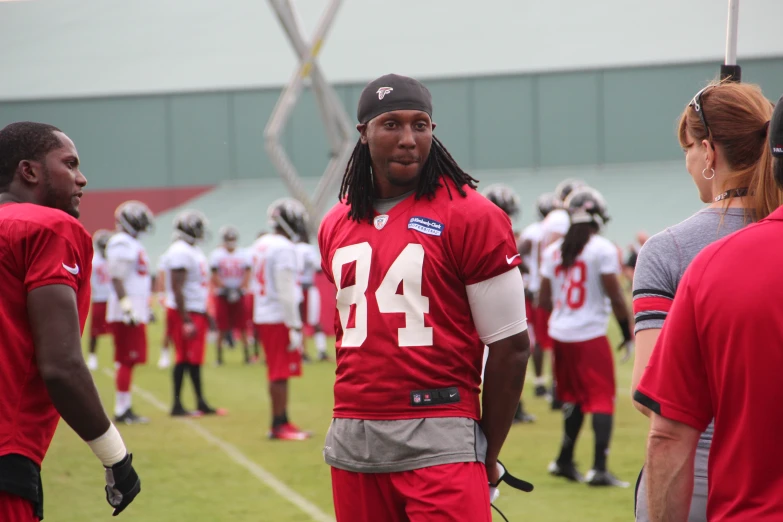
188	349
248	300
584	372
541	327
281	364
98	324
16	509
442	493
130	343
230	316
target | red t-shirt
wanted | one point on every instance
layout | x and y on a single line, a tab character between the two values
719	355
39	246
403	321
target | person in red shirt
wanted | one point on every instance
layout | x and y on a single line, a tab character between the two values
426	275
718	357
46	262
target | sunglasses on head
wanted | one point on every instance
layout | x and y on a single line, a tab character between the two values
697	106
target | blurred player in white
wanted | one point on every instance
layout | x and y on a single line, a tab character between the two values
164	361
230	277
100	286
508	201
580	285
187	292
309	260
529	247
276	309
128	308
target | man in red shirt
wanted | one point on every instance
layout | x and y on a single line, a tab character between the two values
426	275
718	357
45	266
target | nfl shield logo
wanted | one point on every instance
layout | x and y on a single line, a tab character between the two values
416	398
380	221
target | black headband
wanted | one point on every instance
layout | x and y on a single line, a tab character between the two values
393	92
776	130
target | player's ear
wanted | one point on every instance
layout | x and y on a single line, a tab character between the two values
29	171
362	128
434	125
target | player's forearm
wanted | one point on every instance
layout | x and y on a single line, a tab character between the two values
504	378
76	399
669	475
119	288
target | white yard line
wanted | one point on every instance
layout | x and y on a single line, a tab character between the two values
239	458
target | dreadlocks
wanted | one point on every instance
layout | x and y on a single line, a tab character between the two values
575	240
357	185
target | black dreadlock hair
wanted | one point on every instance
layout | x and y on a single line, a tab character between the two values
575	240
357	185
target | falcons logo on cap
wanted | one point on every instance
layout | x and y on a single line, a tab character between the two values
383	91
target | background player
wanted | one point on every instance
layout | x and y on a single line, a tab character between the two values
276	309
100	284
47	257
128	309
310	307
422	286
508	201
230	277
159	288
187	291
579	282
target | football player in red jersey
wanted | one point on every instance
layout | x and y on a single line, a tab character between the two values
426	275
46	268
100	286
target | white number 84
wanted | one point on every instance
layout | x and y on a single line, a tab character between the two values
408	269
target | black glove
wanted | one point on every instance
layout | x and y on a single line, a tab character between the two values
122	484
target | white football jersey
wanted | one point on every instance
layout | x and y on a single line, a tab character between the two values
230	266
124	248
196	289
309	260
581	308
271	254
100	282
532	260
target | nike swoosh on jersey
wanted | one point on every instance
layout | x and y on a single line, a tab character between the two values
510	259
72	269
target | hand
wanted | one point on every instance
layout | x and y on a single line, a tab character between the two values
233	295
494	472
189	329
627	347
295	339
122	484
129	316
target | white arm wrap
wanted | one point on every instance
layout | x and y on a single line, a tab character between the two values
285	282
109	447
498	306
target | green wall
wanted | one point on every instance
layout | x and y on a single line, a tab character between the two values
503	122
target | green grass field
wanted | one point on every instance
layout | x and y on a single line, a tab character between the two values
190	470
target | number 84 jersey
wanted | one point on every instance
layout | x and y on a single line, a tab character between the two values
581	308
403	322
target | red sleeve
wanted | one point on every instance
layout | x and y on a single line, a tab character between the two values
482	242
56	255
675	384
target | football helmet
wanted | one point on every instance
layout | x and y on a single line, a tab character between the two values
289	215
134	217
546	203
504	197
587	205
229	233
100	239
191	226
565	187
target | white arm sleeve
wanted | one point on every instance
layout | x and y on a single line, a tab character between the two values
285	282
119	268
498	306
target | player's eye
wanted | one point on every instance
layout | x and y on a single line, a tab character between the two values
390	124
421	125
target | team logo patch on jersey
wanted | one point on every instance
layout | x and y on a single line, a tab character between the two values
417	398
425	226
383	91
380	221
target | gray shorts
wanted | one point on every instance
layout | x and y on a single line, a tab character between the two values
698	502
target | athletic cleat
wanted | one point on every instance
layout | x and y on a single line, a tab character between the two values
567	471
604	478
129	417
165	360
288	432
541	391
324	357
206	409
522	417
179	411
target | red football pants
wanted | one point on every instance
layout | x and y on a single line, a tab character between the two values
16	509
446	493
